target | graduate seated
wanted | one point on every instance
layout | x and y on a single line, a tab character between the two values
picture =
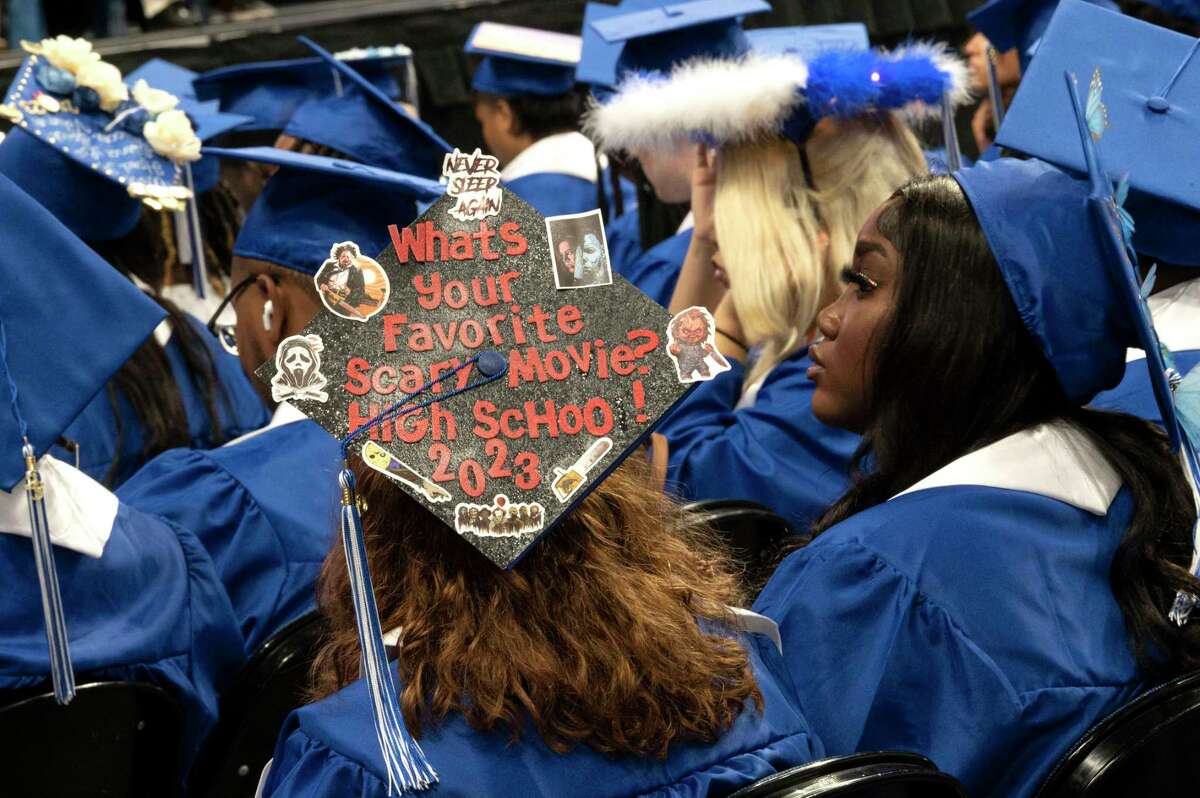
121	167
558	627
1011	566
649	43
1163	199
528	108
800	166
306	247
102	591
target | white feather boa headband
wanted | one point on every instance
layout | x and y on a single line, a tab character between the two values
753	97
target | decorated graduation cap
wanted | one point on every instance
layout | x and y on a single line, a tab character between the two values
655	38
1049	232
1142	107
270	91
64	331
518	61
776	93
809	41
91	148
362	123
1019	23
312	199
489	377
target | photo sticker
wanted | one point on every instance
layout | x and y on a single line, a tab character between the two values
350	284
298	370
381	460
500	519
579	250
691	346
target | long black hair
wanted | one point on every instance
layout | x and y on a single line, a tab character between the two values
146	380
955	370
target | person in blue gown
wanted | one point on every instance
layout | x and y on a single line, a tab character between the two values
651	41
767	249
549	711
1000	578
268	536
179	388
139	597
528	109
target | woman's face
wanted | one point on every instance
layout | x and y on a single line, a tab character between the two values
843	362
669	170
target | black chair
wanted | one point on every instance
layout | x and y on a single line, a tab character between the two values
1147	748
752	531
271	685
879	774
114	740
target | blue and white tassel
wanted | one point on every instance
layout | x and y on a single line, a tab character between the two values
407	768
62	675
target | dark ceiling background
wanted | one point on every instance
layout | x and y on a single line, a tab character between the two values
436	29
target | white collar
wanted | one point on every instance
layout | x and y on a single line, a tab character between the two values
562	153
1176	314
284	413
688	223
79	510
1055	460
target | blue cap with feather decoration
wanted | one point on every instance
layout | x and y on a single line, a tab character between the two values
769	94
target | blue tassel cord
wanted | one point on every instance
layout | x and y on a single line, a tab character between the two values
62	675
407	768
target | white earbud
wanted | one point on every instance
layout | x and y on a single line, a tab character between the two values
268	312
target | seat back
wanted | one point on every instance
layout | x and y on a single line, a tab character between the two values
877	774
753	532
272	683
1148	747
114	740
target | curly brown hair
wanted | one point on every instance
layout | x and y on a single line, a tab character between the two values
595	637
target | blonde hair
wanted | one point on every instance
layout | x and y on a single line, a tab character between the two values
769	220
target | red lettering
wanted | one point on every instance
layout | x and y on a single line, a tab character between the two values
510	233
598	416
392	323
570	321
358	383
622	359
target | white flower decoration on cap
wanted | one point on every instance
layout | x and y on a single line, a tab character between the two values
105	79
155	101
171	136
64	52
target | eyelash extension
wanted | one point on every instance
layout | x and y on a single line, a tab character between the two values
864	283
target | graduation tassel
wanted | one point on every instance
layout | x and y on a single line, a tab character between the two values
194	237
62	675
407	768
950	135
994	93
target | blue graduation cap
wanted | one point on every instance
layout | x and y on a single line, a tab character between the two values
657	38
807	42
1142	101
68	321
89	150
1049	232
522	61
1019	23
364	124
270	91
313	202
767	94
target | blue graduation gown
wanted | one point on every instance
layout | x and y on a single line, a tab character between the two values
95	429
656	270
265	508
555	194
774	452
973	623
329	750
1134	394
150	609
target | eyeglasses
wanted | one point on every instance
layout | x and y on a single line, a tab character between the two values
226	334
